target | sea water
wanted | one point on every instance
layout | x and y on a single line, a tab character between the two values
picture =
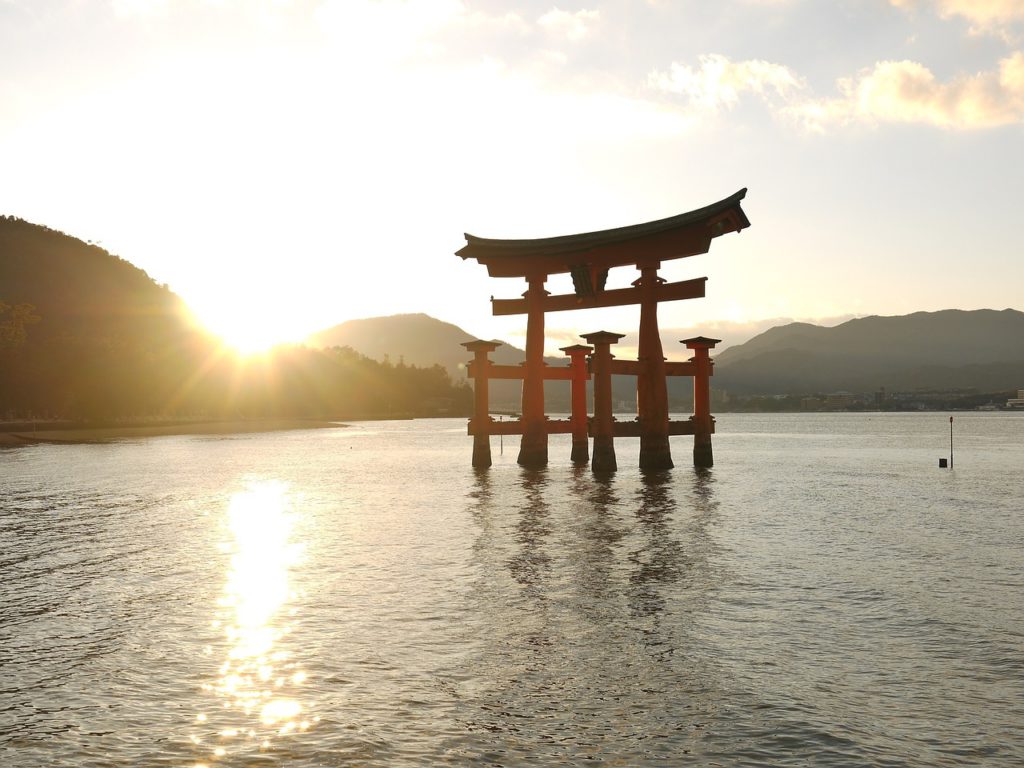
824	596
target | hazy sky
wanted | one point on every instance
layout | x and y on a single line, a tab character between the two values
289	164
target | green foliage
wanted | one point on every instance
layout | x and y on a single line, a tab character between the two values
13	321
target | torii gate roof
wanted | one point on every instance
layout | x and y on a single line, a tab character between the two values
685	234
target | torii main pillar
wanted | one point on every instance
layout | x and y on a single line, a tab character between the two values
651	384
533	448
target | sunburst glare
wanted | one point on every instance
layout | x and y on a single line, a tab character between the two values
250	337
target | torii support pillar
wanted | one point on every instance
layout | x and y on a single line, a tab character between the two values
603	425
651	385
578	419
481	417
533	449
703	456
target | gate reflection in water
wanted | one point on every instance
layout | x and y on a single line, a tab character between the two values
573	589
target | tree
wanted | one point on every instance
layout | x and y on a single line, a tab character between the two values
13	321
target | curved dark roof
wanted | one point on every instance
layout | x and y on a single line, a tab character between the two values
724	216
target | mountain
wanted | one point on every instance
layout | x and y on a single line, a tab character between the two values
419	339
81	291
85	335
415	339
981	349
97	336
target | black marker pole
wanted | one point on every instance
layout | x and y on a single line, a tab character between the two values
950	442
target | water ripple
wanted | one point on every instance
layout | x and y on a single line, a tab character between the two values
822	597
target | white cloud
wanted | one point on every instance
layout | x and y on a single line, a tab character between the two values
510	21
718	82
985	16
908	92
888	92
572	26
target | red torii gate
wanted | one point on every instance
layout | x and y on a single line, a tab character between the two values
587	258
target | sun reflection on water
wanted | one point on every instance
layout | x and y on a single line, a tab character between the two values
257	684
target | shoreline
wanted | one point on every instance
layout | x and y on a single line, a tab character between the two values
67	434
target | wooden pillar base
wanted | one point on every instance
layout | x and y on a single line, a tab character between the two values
604	458
533	450
580	452
703	456
655	452
479	370
481	451
602	426
578	390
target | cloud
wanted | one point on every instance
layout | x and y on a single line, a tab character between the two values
718	82
986	17
572	26
887	92
908	92
128	8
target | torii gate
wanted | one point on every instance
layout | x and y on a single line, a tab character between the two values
587	258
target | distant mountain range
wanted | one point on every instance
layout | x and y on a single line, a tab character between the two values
951	349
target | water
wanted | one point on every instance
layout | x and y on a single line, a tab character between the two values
825	596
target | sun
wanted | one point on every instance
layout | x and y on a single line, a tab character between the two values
249	334
252	338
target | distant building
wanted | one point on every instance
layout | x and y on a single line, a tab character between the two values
1016	402
839	400
811	404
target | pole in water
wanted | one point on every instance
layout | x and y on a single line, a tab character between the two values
950	442
501	437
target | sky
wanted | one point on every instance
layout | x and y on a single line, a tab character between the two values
286	165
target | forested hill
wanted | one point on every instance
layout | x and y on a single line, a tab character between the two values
980	349
420	339
86	335
80	291
416	339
